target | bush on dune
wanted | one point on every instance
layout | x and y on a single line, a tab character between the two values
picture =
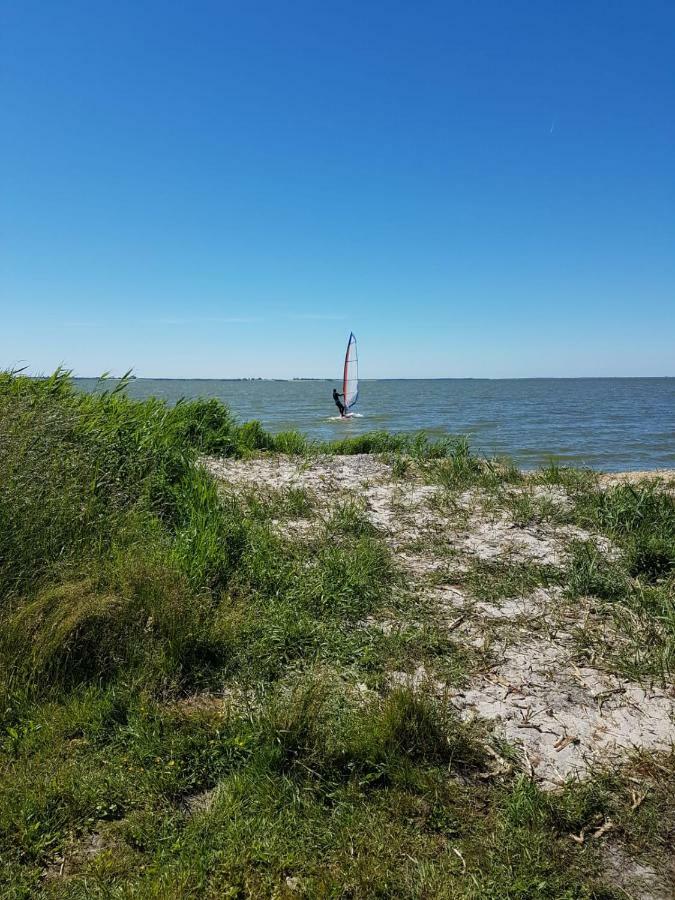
292	442
417	445
205	425
53	490
208	535
74	469
141	622
112	542
637	581
117	548
643	518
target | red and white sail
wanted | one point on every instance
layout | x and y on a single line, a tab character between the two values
350	381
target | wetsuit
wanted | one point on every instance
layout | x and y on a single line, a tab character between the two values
340	405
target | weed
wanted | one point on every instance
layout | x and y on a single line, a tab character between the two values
496	580
127	582
591	573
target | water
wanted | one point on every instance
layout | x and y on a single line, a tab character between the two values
613	424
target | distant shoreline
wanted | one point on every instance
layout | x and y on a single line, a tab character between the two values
335	378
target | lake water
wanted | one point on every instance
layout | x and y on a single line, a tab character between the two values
608	423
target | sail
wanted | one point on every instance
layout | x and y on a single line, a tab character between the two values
350	383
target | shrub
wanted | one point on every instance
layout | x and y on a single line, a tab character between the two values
209	536
206	425
252	436
66	485
641	518
145	623
292	442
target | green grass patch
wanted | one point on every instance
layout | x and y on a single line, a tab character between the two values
309	790
636	583
499	580
133	595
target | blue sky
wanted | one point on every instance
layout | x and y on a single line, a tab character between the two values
223	189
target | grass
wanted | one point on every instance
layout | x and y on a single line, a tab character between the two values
635	585
193	703
304	783
499	580
457	468
618	542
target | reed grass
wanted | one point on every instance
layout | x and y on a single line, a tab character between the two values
195	705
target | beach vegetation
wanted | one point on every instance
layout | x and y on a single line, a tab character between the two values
195	701
634	581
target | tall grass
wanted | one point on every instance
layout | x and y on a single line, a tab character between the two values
112	543
192	704
118	555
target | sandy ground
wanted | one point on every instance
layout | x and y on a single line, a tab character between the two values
667	475
565	715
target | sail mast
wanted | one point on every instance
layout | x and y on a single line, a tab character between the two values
350	379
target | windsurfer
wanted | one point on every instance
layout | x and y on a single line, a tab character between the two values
338	402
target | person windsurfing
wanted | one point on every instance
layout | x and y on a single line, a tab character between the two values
338	402
350	381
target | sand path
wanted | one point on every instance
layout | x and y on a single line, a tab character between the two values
565	715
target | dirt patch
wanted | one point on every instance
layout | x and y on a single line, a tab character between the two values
565	718
502	539
513	608
201	705
78	855
324	475
199	802
639	879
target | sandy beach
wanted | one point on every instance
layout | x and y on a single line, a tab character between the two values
535	678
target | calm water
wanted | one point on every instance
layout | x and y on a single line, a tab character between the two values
606	423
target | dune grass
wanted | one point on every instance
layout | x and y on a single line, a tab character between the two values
193	704
617	545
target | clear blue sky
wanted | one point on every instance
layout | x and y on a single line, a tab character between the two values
227	188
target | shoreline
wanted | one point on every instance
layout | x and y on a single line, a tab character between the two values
323	379
611	425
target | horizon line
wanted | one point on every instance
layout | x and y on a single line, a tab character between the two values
387	378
